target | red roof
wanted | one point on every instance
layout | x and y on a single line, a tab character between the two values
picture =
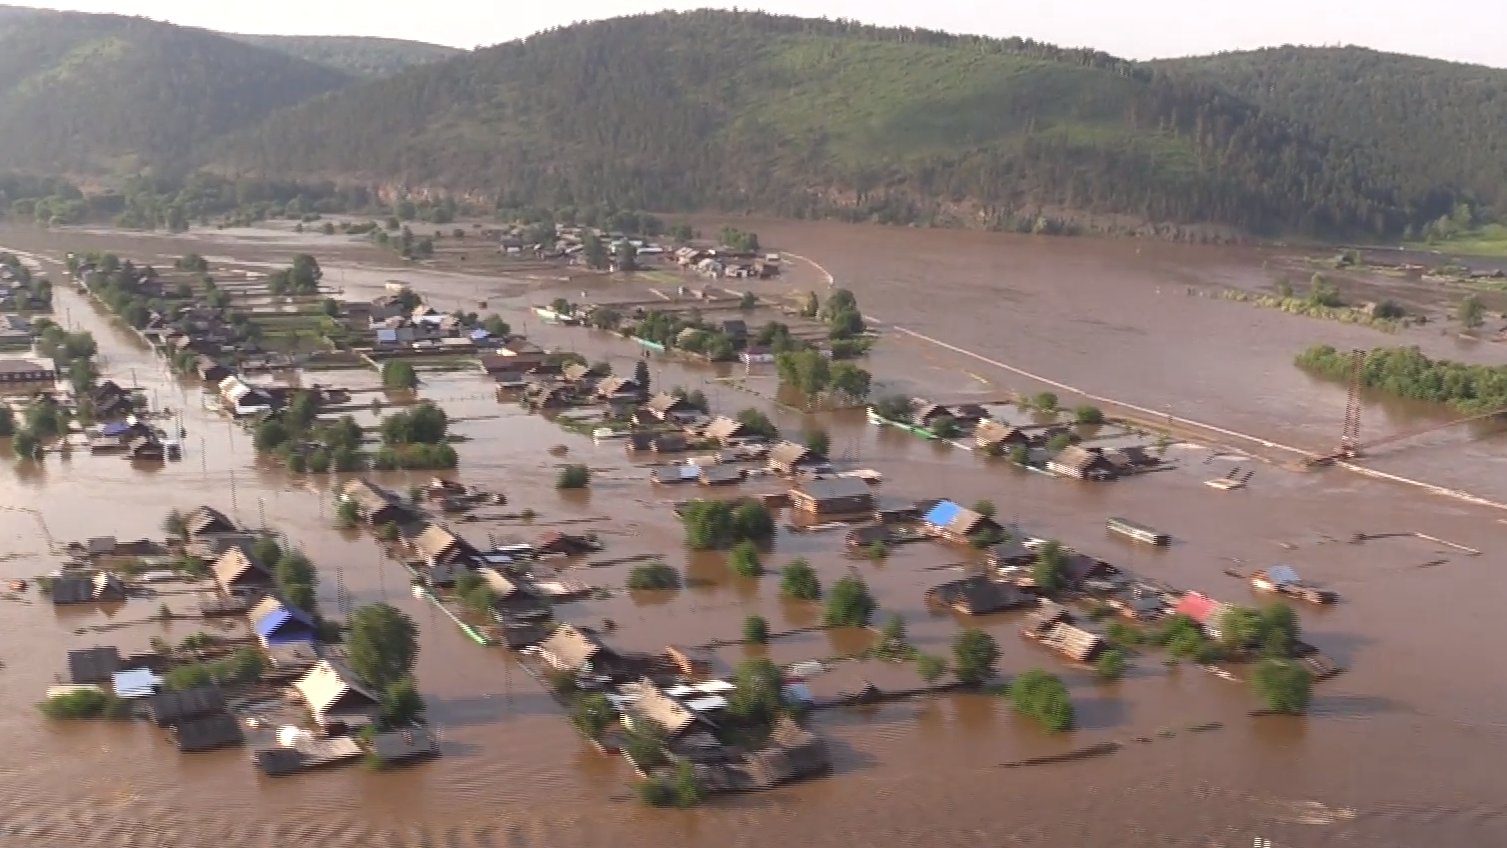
1196	606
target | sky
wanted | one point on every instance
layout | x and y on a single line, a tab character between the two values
1461	30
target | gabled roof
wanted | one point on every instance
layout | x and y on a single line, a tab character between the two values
789	453
723	428
955	519
665	403
93	665
995	432
979	595
1282	574
498	583
173	707
653	704
207	733
72	590
234	565
282	617
570	648
370	499
617	386
329	682
206	519
1077	457
832	488
1201	608
437	545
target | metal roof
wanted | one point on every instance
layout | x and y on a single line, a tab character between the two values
272	621
1281	574
943	513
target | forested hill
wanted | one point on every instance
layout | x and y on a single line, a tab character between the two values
369	58
103	93
747	111
1438	124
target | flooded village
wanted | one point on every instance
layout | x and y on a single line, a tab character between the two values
921	533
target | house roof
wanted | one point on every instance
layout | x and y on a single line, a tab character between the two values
328	682
93	665
570	647
72	590
653	704
1012	549
234	565
264	606
617	385
1077	457
1077	567
664	403
207	519
1075	642
1282	574
135	683
173	707
209	732
1199	607
995	432
980	595
368	497
437	544
275	620
21	366
407	743
954	518
832	488
498	582
114	428
789	453
723	428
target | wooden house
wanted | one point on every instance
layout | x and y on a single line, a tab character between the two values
336	698
93	665
832	496
235	569
789	458
169	708
442	555
978	595
956	523
992	435
206	733
569	649
375	505
1081	463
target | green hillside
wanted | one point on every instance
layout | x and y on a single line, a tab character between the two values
746	111
368	58
103	93
1438	125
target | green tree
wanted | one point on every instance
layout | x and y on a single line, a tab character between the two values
7	421
592	715
1279	630
1088	415
755	630
1471	312
655	575
1048	568
397	374
1044	401
574	476
974	654
1059	443
330	306
849	603
930	668
641	375
893	629
1283	686
945	426
347	513
798	580
593	251
627	256
382	644
985	507
266	551
173	524
812	306
743	559
756	699
1111	664
1042	696
757	423
497	327
401	702
1020	454
850	381
817	441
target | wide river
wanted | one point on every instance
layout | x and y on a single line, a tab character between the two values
1399	751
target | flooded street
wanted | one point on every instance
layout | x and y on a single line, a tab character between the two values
1398	751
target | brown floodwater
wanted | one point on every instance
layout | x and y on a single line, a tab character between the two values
1399	750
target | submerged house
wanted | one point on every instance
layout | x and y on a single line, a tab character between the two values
235	569
619	390
978	595
169	708
336	698
956	523
375	505
207	521
1082	463
280	623
207	733
569	649
789	458
995	434
672	408
1204	610
93	665
443	555
101	587
647	702
793	753
832	496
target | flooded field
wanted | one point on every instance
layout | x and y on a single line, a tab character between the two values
1399	750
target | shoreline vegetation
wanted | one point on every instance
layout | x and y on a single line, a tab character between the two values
1406	372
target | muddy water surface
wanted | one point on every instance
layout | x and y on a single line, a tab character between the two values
1399	750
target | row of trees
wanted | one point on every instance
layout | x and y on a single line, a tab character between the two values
1407	372
813	374
719	525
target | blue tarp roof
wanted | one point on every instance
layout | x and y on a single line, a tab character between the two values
1280	574
114	428
480	334
387	335
942	513
276	620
